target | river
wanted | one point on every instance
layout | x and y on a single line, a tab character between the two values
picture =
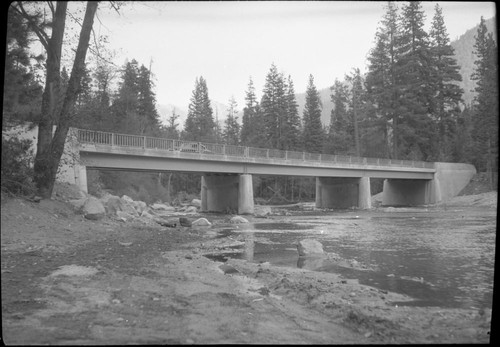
440	257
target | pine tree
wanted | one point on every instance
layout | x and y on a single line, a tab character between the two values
485	103
382	89
200	124
134	109
357	106
291	134
273	105
313	129
146	104
447	95
231	133
339	138
413	77
252	129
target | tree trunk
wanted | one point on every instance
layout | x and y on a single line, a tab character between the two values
50	149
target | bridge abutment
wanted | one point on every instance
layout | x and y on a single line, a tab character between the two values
339	192
449	180
228	192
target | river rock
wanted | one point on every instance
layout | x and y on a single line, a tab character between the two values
140	206
112	203
93	208
238	220
127	198
262	211
196	202
162	207
124	216
201	222
183	221
310	247
191	209
77	203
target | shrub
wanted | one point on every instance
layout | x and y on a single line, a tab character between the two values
17	168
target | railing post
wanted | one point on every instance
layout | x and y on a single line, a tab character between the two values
304	156
199	147
112	139
247	152
267	153
223	149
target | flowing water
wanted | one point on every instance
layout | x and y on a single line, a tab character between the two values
439	257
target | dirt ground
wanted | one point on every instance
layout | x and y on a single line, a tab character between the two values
68	280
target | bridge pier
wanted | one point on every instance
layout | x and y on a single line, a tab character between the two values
220	193
407	192
339	192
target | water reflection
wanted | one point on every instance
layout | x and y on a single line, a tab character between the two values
441	258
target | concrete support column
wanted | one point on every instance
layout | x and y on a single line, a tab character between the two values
81	177
245	195
339	192
223	193
365	195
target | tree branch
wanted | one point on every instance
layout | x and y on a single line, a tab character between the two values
42	35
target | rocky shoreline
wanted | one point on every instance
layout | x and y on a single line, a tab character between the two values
70	279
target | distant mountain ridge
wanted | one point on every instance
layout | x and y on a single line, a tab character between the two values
463	46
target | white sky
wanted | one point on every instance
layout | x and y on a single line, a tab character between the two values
227	42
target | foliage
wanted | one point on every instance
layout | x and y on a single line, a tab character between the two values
313	130
231	133
22	91
17	166
252	129
485	105
200	124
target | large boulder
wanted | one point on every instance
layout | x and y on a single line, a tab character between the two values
310	247
78	203
113	204
93	208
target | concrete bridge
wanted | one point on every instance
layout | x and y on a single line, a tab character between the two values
341	181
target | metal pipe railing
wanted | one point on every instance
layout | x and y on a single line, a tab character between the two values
124	140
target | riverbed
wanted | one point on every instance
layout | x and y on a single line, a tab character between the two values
439	256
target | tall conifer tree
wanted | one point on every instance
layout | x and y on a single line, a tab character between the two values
413	76
447	94
231	133
313	129
200	124
485	103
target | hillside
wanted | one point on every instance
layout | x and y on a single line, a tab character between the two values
464	48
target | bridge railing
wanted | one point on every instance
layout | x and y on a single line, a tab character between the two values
146	142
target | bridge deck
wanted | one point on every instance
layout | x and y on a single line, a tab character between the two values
118	151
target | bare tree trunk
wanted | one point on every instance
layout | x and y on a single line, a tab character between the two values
42	166
50	149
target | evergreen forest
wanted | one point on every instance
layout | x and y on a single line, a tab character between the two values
409	105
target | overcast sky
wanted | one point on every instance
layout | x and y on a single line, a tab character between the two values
227	42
